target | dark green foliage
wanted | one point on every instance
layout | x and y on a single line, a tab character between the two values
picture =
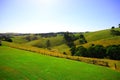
99	51
0	43
112	27
91	51
73	50
82	39
115	32
69	38
119	25
81	51
48	44
70	44
113	52
6	38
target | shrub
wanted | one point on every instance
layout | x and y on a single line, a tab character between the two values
73	50
99	51
0	43
91	51
81	51
113	52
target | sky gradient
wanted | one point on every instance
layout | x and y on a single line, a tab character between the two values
39	16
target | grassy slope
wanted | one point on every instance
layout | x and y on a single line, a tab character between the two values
62	48
98	35
23	65
19	39
54	41
102	37
105	42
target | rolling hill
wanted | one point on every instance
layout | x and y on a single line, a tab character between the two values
102	37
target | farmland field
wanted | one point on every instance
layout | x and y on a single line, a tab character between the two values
18	64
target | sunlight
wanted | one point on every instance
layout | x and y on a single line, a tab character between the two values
47	1
43	2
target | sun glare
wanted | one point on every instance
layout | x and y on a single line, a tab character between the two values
44	2
47	1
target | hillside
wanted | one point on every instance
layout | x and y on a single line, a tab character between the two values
98	35
54	41
102	37
105	42
57	43
24	65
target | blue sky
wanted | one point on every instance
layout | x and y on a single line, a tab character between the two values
38	16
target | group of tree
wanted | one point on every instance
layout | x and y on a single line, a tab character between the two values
31	37
5	38
82	39
70	38
0	43
98	51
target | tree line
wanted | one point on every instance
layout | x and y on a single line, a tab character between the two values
98	51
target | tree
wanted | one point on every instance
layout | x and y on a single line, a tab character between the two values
119	25
82	39
81	51
113	52
0	42
113	27
69	38
48	44
96	51
100	51
7	38
73	50
91	51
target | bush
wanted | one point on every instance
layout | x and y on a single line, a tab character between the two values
113	52
115	32
73	50
100	51
81	51
91	51
82	39
9	40
0	43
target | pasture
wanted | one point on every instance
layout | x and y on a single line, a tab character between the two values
18	64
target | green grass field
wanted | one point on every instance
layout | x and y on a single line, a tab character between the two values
98	35
18	64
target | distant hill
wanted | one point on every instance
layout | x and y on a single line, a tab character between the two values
57	43
102	37
54	41
98	35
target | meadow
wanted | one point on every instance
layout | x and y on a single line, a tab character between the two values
18	64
